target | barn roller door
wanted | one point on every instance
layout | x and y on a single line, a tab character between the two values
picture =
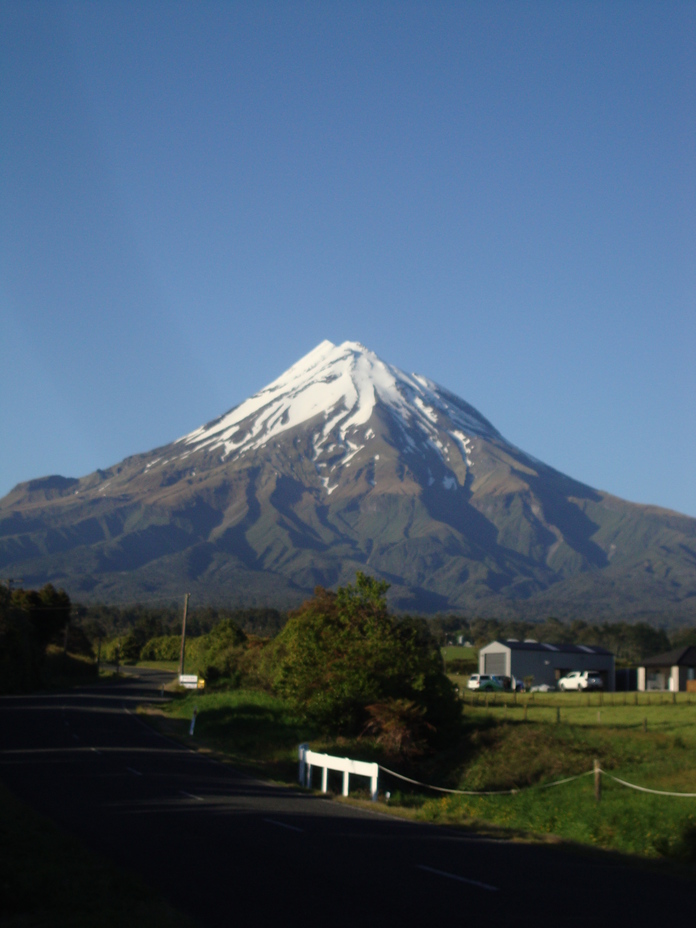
495	663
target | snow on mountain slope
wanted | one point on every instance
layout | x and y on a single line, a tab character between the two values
341	386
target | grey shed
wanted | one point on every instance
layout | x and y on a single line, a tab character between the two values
545	662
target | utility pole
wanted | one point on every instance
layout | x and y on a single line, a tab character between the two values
183	635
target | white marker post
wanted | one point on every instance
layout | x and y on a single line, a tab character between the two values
193	721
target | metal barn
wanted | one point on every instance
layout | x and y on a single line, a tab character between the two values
546	663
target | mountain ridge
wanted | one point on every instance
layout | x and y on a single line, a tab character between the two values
346	463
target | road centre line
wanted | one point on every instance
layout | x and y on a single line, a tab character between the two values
190	795
137	773
460	879
272	821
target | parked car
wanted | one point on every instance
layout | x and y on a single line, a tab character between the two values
581	680
484	681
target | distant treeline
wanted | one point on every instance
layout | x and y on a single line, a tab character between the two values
106	621
629	642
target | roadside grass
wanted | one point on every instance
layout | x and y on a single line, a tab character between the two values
498	749
646	826
251	728
48	879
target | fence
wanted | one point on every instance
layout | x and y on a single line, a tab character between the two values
309	759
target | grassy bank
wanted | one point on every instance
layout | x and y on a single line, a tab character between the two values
508	745
49	879
531	741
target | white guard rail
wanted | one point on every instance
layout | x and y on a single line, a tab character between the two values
309	759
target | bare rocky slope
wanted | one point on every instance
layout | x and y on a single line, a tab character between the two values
346	463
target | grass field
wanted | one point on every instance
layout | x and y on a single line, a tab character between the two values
456	652
513	743
50	879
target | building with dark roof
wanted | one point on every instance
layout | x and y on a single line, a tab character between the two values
545	662
674	671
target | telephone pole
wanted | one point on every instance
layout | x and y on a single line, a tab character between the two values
183	635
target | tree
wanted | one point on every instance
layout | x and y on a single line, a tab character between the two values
48	612
20	655
342	652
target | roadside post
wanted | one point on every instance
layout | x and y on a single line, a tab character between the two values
193	720
597	780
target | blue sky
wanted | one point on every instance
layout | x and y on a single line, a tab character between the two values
500	196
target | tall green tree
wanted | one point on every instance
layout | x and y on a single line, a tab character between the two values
342	652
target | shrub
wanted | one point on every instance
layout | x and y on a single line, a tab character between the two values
162	648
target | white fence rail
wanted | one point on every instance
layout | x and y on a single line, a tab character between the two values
309	759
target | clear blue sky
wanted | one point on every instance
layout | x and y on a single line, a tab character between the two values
500	196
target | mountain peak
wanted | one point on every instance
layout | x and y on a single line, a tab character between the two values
337	388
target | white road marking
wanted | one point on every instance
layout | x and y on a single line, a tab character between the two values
190	795
272	821
96	751
460	879
137	773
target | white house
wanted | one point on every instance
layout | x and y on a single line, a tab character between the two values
674	671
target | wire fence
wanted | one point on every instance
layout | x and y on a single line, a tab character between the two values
513	792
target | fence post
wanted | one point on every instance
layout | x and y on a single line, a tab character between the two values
301	753
597	780
373	787
346	777
324	779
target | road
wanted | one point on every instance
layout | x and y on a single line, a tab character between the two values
228	849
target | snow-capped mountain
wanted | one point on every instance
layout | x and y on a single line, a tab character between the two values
336	390
344	463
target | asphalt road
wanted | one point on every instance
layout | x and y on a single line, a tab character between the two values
229	849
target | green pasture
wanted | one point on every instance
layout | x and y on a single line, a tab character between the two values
457	652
